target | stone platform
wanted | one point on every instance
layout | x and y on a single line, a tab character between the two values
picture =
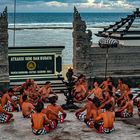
71	129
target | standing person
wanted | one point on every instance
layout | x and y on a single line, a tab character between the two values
27	108
5	117
108	118
126	110
69	74
7	102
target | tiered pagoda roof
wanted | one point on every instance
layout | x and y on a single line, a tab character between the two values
126	29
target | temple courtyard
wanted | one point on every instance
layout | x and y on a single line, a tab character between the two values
71	129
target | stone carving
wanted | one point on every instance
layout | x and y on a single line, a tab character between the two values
3	69
4	66
81	43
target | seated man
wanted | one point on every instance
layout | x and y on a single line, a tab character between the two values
97	91
122	99
104	85
40	122
52	110
95	111
81	115
80	92
121	86
108	118
45	91
110	100
5	117
27	108
8	103
126	110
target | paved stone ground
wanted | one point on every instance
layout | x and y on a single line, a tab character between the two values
71	129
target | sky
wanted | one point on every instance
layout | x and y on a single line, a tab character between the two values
67	5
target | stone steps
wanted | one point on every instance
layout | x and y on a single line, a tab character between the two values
56	84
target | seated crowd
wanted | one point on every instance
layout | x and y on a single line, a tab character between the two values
31	103
102	104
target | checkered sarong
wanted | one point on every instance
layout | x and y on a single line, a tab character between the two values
126	114
4	118
107	130
90	123
101	129
81	116
8	107
42	131
47	128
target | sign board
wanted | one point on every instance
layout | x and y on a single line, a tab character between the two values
41	63
31	64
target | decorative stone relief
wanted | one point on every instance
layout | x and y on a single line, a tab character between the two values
81	43
4	66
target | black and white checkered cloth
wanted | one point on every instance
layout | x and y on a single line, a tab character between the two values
40	131
3	118
81	116
8	107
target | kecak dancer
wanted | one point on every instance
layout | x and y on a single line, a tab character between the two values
108	118
8	103
52	111
27	107
126	110
97	91
40	122
45	91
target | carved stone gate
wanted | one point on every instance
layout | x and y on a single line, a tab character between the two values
4	68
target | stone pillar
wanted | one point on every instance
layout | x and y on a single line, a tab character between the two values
4	66
81	44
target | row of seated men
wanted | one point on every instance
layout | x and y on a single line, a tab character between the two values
101	109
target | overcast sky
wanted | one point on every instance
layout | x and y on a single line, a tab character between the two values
67	5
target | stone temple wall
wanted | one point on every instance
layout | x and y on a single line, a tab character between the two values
123	61
4	67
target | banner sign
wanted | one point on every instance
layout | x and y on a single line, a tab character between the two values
31	65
